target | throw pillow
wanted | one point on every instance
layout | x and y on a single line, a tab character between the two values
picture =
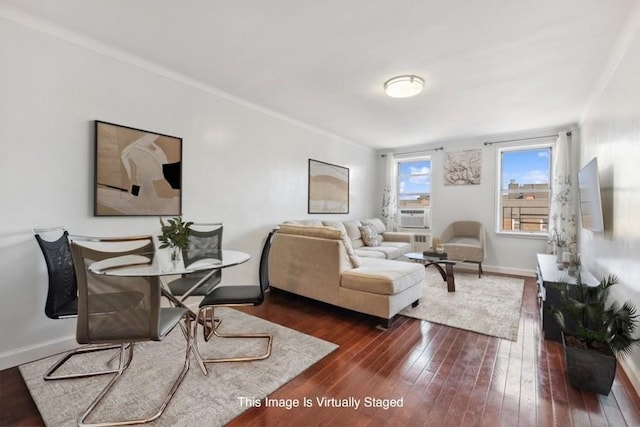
377	224
369	235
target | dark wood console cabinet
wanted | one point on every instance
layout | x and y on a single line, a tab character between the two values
548	274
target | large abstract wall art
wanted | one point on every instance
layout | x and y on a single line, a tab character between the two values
137	172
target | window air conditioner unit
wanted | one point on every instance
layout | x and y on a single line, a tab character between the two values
414	218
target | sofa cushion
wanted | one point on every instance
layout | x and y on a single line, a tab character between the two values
369	235
322	232
310	231
335	224
389	250
402	247
377	224
370	252
313	222
353	231
386	277
395	250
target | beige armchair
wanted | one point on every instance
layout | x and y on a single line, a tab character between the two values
464	241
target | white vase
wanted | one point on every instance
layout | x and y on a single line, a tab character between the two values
559	251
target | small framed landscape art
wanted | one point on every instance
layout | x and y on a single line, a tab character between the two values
328	188
137	172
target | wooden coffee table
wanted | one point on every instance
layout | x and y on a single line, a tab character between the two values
438	262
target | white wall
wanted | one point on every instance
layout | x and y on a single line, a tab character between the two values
241	165
611	132
503	253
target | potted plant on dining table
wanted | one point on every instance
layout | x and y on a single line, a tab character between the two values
175	236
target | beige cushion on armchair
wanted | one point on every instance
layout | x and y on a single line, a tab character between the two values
464	241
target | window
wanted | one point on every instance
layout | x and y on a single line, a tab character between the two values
414	183
524	189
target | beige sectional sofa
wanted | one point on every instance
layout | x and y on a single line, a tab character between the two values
320	262
393	244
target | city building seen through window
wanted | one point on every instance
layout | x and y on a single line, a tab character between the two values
414	183
524	189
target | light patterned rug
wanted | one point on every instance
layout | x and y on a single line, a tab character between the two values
213	400
489	305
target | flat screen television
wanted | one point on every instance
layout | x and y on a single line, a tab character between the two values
590	197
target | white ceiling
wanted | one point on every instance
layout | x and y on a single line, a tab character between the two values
491	66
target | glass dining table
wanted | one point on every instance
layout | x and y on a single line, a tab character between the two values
158	264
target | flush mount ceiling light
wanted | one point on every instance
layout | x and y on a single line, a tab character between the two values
403	86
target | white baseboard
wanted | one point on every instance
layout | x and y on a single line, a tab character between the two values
632	373
494	269
29	354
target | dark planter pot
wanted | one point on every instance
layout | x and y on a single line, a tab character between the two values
588	369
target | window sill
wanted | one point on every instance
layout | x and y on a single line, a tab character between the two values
523	235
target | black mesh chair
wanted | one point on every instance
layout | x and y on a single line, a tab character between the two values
205	241
234	296
123	310
62	295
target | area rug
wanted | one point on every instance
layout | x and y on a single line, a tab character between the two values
489	305
211	400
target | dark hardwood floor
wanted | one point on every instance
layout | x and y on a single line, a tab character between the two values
444	376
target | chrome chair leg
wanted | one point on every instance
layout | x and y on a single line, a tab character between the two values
214	332
48	376
208	325
116	354
82	421
189	334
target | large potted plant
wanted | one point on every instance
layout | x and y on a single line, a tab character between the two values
594	333
175	235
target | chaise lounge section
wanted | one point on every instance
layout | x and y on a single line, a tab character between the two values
319	262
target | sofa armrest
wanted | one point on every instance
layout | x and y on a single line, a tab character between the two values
397	236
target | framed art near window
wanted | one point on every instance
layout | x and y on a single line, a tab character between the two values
462	167
328	188
137	172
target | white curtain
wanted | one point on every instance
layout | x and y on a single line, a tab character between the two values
389	195
562	212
